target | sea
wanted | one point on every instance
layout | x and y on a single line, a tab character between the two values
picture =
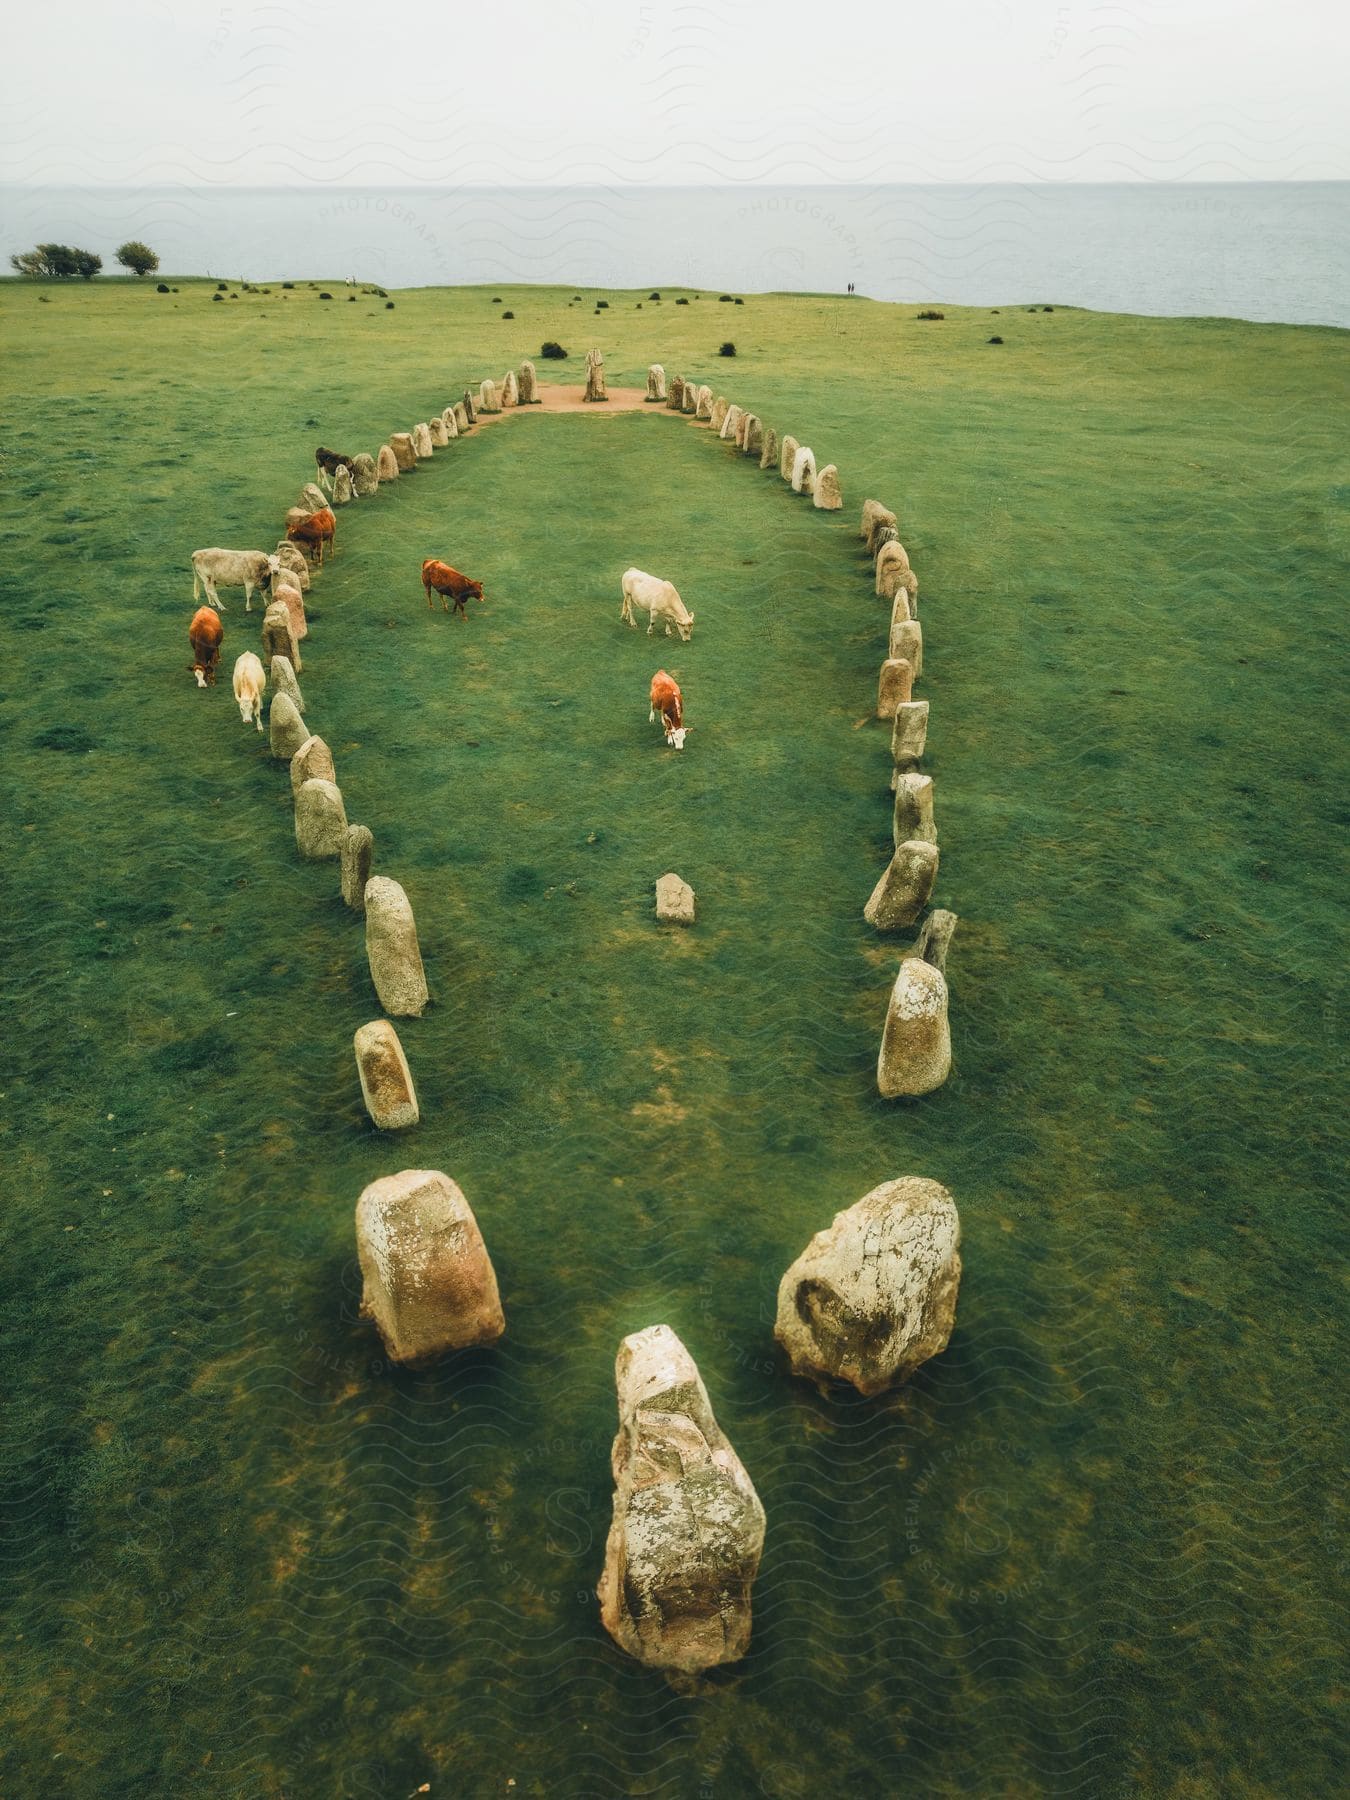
1275	251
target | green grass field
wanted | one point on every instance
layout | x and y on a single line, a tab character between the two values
1093	1549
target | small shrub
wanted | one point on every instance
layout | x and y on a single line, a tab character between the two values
740	303
576	296
727	350
725	297
681	303
508	315
217	296
389	306
552	352
162	287
1047	309
222	287
325	296
175	290
932	315
288	284
653	296
996	340
496	299
234	296
600	305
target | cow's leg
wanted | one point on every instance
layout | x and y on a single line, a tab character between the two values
248	596
211	594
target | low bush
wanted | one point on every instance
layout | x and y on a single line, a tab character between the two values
932	315
217	296
995	340
288	284
552	352
653	296
681	303
325	296
725	297
222	287
389	306
600	305
162	287
508	315
727	350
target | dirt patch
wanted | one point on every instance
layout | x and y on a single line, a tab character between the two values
555	398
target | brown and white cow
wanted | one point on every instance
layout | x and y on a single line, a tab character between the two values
205	634
668	701
444	580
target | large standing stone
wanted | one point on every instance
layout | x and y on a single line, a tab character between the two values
358	850
489	401
421	441
656	383
804	471
320	820
312	498
909	734
293	565
313	761
703	403
906	637
386	464
283	681
905	887
717	417
689	401
873	1296
290	596
893	686
391	949
827	495
874	514
427	1279
529	385
787	456
462	419
752	441
365	476
277	636
405	456
768	455
439	434
674	901
916	1042
470	407
595	376
674	397
510	389
343	491
285	728
892	567
386	1080
731	424
913	817
450	423
688	1528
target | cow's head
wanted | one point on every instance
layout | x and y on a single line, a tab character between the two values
686	629
476	589
273	569
676	735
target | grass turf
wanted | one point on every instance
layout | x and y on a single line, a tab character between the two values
1089	1549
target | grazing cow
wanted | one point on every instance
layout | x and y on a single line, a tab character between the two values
313	532
445	580
205	634
249	682
658	599
327	463
247	569
669	702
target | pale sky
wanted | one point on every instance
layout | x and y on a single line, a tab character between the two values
615	91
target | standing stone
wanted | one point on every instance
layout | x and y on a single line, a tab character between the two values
440	437
282	677
916	1042
935	938
488	398
892	566
461	418
913	816
909	734
704	404
688	1528
717	417
312	498
386	464
391	949
294	568
358	848
386	1080
674	396
427	1279
884	534
529	385
768	455
510	389
343	491
656	383
906	637
827	495
320	820
893	686
787	456
803	471
873	1296
277	636
313	761
421	440
287	593
689	404
470	407
731	424
674	901
595	376
285	728
365	476
405	456
753	442
296	515
873	515
905	886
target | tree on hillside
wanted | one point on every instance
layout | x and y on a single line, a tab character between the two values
57	262
137	257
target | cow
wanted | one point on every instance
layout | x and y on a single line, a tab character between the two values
247	569
328	462
249	682
658	599
441	578
314	531
205	634
669	702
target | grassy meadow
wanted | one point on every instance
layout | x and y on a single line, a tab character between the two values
1093	1548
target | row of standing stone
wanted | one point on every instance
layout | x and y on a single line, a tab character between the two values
796	462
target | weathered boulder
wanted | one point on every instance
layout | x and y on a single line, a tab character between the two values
405	456
510	389
470	407
913	817
703	403
391	949
916	1041
768	455
674	901
282	677
462	419
884	534
358	849
892	568
905	887
874	514
290	595
421	440
427	1279
906	639
595	376
293	565
320	820
529	385
277	637
787	456
312	498
827	495
893	686
365	475
386	1080
386	464
656	383
688	1528
909	733
489	401
689	399
733	425
296	515
752	438
717	417
804	471
285	728
873	1296
439	432
343	491
313	761
674	394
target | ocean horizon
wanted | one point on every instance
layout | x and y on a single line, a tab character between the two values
1274	252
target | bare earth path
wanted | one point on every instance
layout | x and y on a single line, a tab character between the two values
555	398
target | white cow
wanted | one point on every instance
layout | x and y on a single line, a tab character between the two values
658	599
247	569
249	682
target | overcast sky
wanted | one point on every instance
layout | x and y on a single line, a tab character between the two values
560	91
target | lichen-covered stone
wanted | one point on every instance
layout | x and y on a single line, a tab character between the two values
873	1296
913	817
285	728
909	732
595	376
392	949
277	636
688	1528
343	491
674	901
489	401
689	399
768	453
827	495
752	438
874	515
320	820
894	685
528	383
703	403
282	677
313	761
787	456
365	475
386	465
439	432
731	423
358	850
405	456
427	1279
656	384
905	887
717	417
892	570
916	1042
386	1080
906	638
421	440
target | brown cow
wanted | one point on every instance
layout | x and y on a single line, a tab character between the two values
445	580
205	634
668	701
313	532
